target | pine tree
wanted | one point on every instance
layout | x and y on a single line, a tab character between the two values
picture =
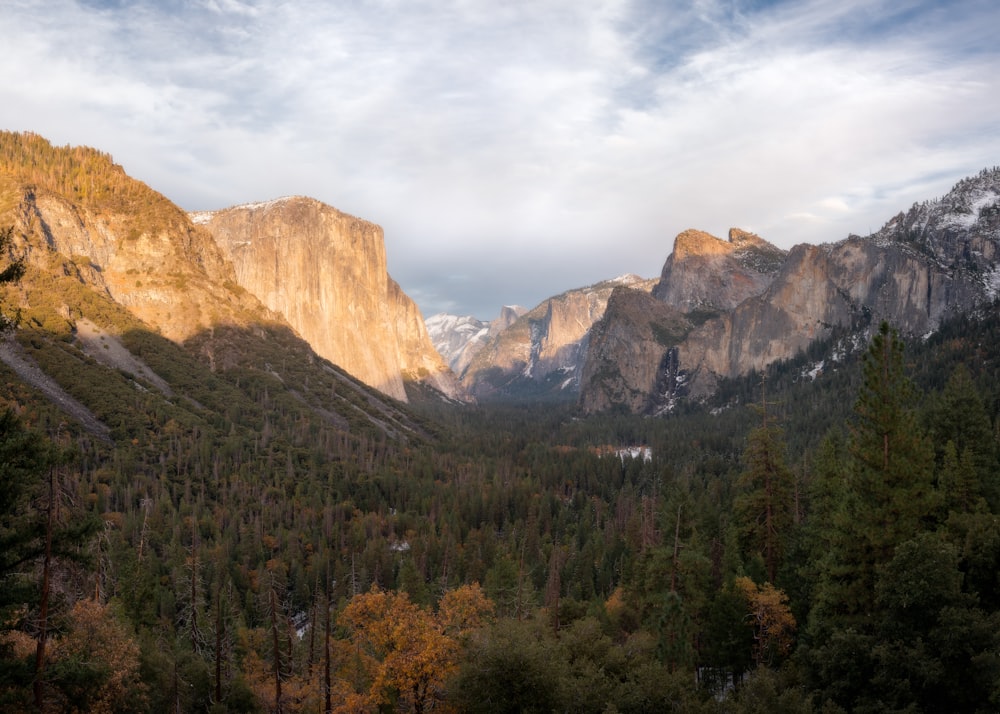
890	473
765	507
888	496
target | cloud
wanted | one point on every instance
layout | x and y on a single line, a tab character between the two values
513	150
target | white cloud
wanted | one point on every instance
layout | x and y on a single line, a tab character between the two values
526	147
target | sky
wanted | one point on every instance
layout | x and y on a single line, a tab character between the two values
512	150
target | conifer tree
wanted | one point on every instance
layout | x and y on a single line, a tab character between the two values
765	507
888	496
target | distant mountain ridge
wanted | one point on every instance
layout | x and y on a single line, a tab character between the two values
536	353
104	247
722	308
935	261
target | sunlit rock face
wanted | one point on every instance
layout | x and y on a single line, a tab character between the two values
147	257
543	349
325	272
750	305
706	273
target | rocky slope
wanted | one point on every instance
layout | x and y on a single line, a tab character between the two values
542	351
936	260
325	272
167	272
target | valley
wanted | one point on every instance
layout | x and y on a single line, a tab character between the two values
765	481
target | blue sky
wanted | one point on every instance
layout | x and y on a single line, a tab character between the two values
512	150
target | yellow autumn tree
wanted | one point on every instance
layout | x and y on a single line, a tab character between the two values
411	651
98	644
464	609
772	621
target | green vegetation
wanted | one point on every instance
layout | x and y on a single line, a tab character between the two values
788	565
266	534
87	177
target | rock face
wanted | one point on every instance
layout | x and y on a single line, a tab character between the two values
631	362
542	351
937	260
167	272
418	360
325	272
706	273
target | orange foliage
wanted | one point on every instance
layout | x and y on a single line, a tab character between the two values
772	620
96	638
413	651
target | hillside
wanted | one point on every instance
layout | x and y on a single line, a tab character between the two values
75	212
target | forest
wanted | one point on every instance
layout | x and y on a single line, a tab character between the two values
271	536
827	544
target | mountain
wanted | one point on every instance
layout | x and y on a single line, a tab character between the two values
706	273
121	288
325	273
541	352
457	338
629	362
937	260
77	214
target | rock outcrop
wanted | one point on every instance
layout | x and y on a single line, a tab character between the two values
854	284
150	259
542	351
706	273
937	260
324	271
631	361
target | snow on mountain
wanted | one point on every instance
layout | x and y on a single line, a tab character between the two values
457	337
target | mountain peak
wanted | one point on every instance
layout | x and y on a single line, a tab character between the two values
694	242
705	272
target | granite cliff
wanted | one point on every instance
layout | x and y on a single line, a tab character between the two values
324	271
706	273
81	221
541	352
630	363
936	260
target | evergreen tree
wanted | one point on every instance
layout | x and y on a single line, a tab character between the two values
890	491
765	506
888	497
960	428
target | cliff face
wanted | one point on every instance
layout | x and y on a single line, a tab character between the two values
706	273
418	359
853	284
630	361
165	271
937	260
325	272
542	350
